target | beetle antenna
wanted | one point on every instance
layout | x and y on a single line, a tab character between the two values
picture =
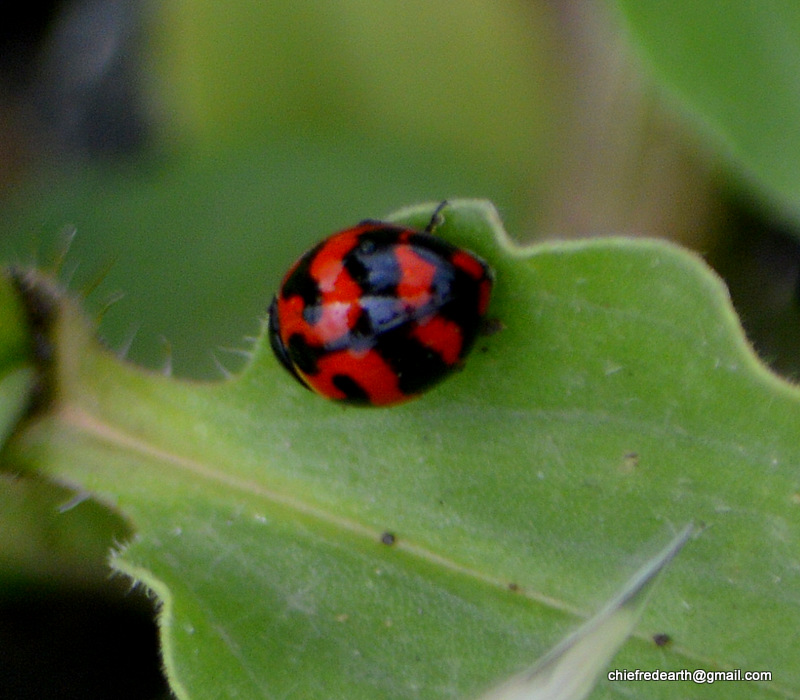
436	218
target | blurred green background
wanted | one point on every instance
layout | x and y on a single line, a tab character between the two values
186	151
248	131
195	148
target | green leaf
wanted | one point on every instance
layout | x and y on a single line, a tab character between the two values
620	400
42	537
50	536
734	66
17	383
16	386
17	376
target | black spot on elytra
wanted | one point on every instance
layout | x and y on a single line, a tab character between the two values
300	282
275	341
417	366
304	356
351	389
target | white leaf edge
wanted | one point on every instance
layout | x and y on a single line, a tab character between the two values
571	669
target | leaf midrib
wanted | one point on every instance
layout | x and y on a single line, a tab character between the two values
76	418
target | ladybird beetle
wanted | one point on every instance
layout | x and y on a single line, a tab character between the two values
378	313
